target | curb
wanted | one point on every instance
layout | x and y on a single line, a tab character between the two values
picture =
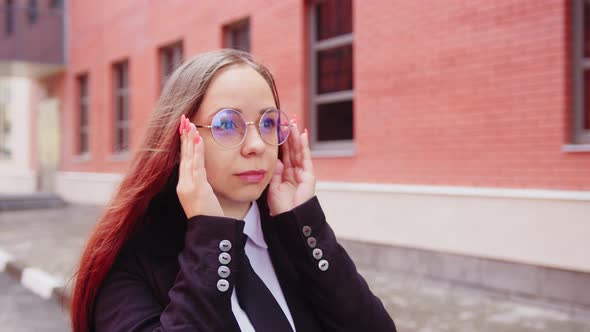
36	280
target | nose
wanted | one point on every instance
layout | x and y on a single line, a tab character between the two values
253	143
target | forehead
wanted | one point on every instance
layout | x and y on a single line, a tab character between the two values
239	87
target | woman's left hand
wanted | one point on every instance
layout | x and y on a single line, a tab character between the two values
293	181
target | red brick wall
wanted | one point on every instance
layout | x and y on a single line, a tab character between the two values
470	93
38	41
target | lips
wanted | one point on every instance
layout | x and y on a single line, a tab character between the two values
254	172
254	176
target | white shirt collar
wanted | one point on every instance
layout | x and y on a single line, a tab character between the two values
253	227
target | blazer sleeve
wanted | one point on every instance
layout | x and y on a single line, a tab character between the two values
125	301
337	292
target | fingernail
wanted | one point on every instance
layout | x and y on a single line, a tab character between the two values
197	138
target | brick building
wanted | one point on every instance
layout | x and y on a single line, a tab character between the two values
453	127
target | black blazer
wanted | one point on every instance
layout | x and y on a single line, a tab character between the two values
165	277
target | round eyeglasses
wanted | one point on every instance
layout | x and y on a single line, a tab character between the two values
228	127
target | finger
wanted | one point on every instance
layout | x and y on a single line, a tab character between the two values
189	152
199	157
184	171
277	176
291	142
296	151
306	152
288	169
190	147
286	159
184	135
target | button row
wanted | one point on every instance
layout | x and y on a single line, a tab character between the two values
223	271
317	252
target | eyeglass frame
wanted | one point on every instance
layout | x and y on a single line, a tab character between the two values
246	126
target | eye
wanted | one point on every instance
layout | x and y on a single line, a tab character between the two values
226	124
268	123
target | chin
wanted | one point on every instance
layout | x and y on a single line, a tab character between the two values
246	193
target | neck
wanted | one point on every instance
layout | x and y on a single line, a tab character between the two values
232	209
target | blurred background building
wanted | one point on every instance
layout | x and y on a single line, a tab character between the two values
32	50
450	138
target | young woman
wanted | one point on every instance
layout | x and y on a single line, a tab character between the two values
216	226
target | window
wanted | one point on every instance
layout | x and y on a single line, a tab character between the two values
9	17
331	76
170	59
581	71
121	93
32	11
56	4
237	35
83	111
5	124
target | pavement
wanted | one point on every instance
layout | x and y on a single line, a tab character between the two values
39	251
23	311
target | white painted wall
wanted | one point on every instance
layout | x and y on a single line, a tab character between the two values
16	175
540	227
86	188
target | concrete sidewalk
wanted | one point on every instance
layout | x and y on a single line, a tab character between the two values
41	249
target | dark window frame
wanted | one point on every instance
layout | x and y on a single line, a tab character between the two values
343	147
33	11
170	57
121	84
83	82
56	4
9	17
234	30
580	64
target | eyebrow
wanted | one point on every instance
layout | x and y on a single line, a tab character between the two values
237	109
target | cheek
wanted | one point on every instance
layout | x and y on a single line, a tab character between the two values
273	155
218	174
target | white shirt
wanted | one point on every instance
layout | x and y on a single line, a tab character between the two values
257	252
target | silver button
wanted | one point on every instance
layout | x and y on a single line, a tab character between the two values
317	253
224	258
222	285
323	265
223	271
306	231
311	242
225	245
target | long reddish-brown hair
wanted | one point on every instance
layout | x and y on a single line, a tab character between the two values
151	168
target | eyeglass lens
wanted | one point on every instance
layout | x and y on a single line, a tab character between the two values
229	127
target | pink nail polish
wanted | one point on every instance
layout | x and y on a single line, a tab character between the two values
197	138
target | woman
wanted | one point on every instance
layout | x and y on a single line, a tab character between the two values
216	226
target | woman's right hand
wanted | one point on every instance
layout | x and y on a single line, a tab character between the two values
194	191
